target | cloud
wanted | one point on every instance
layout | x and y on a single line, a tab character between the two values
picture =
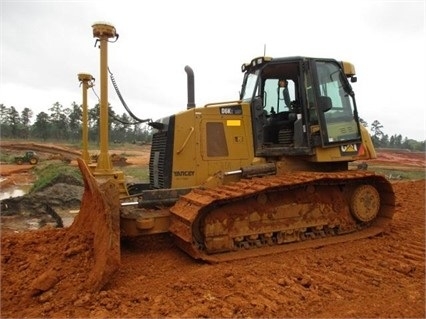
396	17
45	44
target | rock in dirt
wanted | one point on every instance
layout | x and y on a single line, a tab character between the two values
44	282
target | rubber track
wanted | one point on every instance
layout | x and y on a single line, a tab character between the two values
189	206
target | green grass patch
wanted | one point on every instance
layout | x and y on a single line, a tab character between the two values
140	174
7	158
54	172
400	174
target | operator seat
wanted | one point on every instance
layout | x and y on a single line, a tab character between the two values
280	128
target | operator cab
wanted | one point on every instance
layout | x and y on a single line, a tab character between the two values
299	104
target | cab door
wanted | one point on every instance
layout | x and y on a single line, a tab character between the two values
335	105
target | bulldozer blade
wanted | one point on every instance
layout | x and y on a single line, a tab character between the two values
99	217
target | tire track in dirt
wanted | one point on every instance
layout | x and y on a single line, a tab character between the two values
316	282
387	261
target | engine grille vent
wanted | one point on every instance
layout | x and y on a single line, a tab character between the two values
157	160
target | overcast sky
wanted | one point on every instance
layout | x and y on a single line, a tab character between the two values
45	44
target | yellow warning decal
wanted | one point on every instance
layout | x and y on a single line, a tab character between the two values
233	122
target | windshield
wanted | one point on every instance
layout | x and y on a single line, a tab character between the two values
250	84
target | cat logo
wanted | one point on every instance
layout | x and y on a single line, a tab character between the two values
349	149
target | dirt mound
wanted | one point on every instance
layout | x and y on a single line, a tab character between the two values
62	265
64	179
45	274
46	263
41	147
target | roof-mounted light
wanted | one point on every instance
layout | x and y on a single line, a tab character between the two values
255	63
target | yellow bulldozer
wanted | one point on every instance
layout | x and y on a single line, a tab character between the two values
267	172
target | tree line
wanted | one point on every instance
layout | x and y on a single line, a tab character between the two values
65	124
380	139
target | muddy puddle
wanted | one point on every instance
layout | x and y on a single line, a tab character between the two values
21	211
14	191
22	223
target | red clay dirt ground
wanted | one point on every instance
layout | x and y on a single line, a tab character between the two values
44	273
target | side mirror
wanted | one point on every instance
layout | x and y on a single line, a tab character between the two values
324	103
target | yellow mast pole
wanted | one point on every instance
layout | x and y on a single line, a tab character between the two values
104	169
103	32
87	82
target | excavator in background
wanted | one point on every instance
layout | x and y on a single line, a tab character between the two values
265	173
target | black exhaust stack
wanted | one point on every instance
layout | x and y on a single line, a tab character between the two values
191	98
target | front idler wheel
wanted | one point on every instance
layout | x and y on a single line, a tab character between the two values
365	203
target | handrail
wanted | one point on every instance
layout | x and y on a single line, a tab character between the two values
192	129
221	103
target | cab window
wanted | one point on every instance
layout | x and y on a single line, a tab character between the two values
274	98
338	118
